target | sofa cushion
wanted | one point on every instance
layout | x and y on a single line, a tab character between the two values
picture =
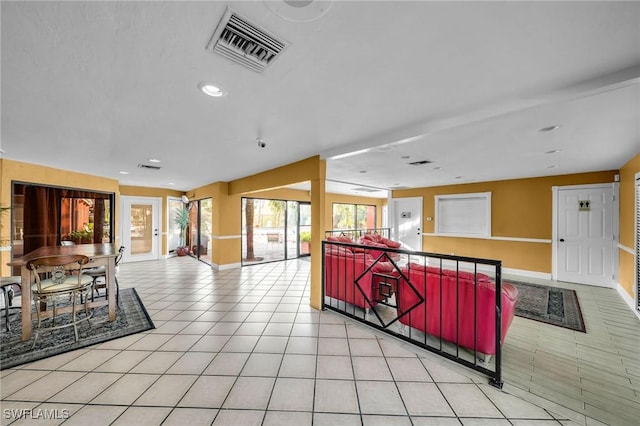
376	238
479	276
390	243
340	239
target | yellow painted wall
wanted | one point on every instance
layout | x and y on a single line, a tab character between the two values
626	265
520	208
11	170
142	191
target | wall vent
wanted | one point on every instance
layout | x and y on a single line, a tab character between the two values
148	166
237	39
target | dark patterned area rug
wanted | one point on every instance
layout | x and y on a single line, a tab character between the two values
551	305
131	318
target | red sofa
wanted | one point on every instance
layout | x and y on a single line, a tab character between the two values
343	267
428	281
376	240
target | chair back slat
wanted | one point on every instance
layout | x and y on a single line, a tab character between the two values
71	260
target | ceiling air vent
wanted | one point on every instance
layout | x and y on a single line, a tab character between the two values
242	42
364	189
148	166
419	163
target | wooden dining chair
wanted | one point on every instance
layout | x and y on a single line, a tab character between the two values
7	285
57	278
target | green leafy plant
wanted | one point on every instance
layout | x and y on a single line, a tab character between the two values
182	220
305	237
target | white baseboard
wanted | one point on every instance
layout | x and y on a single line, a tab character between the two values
527	274
226	266
628	299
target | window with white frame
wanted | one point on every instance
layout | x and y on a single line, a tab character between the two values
464	215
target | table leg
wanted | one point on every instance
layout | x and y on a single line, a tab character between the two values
25	298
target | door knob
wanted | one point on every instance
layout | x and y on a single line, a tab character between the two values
562	240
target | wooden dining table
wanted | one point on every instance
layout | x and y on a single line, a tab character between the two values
99	255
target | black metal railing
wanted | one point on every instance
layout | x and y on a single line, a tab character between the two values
455	306
356	234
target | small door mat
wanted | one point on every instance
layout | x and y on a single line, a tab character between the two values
551	305
131	318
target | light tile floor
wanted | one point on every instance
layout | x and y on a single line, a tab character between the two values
243	347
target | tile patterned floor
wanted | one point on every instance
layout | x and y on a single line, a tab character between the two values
243	347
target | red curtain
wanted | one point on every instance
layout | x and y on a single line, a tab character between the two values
41	214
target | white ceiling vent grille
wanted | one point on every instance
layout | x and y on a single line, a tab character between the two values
237	39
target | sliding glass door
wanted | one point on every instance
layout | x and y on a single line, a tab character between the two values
200	229
273	230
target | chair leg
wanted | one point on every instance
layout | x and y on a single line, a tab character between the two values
36	303
73	313
117	291
6	308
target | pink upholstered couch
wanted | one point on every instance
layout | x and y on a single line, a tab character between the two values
428	281
343	267
378	241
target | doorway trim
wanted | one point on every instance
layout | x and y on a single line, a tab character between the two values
394	223
615	226
125	220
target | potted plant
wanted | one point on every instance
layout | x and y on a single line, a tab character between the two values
305	242
182	220
81	236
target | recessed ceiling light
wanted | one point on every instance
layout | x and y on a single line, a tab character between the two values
458	177
170	183
124	173
549	129
363	171
405	157
437	168
211	90
553	166
153	160
553	151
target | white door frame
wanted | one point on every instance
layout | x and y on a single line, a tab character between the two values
393	225
125	220
615	226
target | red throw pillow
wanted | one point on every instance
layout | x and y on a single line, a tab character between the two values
390	243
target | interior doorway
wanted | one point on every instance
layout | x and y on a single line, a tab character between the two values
406	225
141	218
584	241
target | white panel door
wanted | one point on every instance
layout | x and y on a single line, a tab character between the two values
140	228
585	235
407	222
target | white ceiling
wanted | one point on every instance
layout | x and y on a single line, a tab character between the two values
99	87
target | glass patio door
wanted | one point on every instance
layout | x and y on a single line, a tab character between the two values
304	229
274	230
200	228
141	228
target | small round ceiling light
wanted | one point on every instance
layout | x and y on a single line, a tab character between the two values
153	160
211	90
299	10
549	129
553	151
124	173
553	166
